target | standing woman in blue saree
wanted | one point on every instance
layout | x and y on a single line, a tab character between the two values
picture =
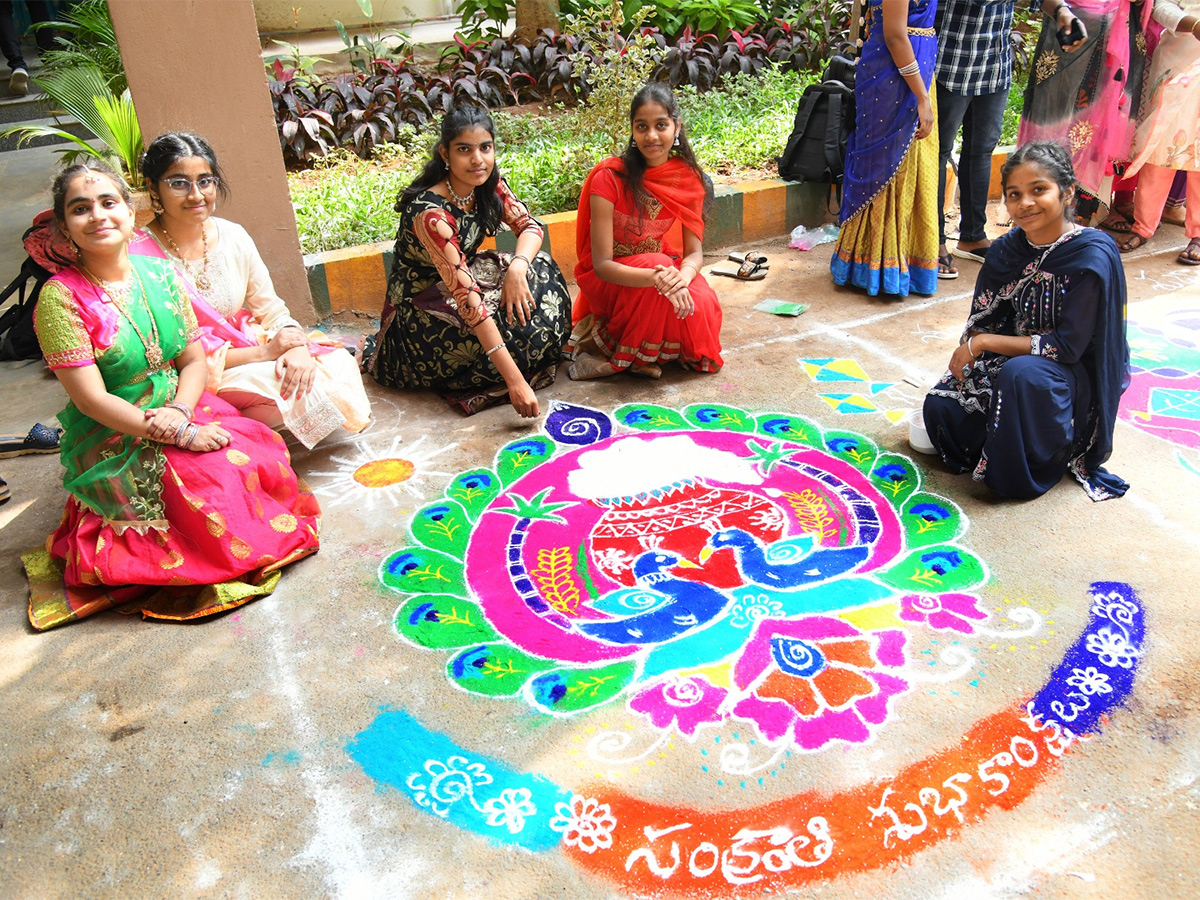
1034	384
889	217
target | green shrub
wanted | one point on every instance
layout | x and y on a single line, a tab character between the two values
740	129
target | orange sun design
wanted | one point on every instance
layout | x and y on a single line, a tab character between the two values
380	473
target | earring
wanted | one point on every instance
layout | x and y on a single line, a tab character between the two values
75	246
156	205
676	144
632	144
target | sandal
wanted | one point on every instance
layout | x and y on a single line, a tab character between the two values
1117	223
749	270
587	367
4	493
979	254
1131	243
946	270
41	439
1190	255
752	256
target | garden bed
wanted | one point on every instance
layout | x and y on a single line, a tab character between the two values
545	154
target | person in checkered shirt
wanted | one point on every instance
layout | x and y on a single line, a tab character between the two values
973	74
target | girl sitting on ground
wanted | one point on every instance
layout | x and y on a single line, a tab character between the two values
477	327
177	505
259	358
1033	387
642	300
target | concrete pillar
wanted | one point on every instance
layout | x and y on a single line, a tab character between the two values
194	65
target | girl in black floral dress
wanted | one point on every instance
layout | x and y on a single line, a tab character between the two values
476	327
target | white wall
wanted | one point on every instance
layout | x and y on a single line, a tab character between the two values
318	15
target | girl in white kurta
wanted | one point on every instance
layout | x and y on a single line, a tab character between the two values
260	359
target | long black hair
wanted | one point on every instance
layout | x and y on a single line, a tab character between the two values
167	149
634	174
1053	157
458	119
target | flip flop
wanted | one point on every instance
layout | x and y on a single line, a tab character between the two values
747	271
1190	255
979	254
41	439
947	262
4	494
753	256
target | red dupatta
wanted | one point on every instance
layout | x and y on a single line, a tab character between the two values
674	184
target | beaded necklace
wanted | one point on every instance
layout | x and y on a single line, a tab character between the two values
462	202
118	292
202	279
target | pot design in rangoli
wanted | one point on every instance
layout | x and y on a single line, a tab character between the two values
703	566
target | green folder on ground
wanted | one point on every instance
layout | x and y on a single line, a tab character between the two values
780	307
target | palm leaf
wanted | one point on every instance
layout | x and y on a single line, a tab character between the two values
88	38
84	94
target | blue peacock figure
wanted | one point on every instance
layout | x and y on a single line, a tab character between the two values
790	563
689	605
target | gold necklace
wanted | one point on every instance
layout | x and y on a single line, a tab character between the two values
154	354
463	202
203	282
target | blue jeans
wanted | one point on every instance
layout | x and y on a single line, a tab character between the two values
981	118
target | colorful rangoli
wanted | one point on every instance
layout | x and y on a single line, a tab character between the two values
706	569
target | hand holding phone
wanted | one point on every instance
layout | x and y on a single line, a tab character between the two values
1072	35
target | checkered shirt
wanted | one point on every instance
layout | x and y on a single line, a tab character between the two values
974	53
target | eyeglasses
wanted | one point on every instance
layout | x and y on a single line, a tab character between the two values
183	186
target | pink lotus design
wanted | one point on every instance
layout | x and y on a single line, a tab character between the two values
945	612
687	703
819	679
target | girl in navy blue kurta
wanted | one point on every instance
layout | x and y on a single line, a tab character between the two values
1033	387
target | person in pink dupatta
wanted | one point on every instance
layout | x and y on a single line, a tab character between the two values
1086	95
260	359
177	506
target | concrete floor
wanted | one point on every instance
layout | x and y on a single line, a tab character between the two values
213	760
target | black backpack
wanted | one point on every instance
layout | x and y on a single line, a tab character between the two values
17	337
816	148
49	251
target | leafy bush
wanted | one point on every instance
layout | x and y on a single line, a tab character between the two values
741	128
88	38
607	53
610	69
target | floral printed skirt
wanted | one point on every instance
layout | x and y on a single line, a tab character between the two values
418	348
234	517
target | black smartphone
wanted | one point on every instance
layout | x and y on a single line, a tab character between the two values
1075	33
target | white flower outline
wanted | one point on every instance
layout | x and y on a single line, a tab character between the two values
449	782
510	809
585	823
1113	649
1090	681
1116	608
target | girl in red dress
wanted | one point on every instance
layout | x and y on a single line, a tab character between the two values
642	300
